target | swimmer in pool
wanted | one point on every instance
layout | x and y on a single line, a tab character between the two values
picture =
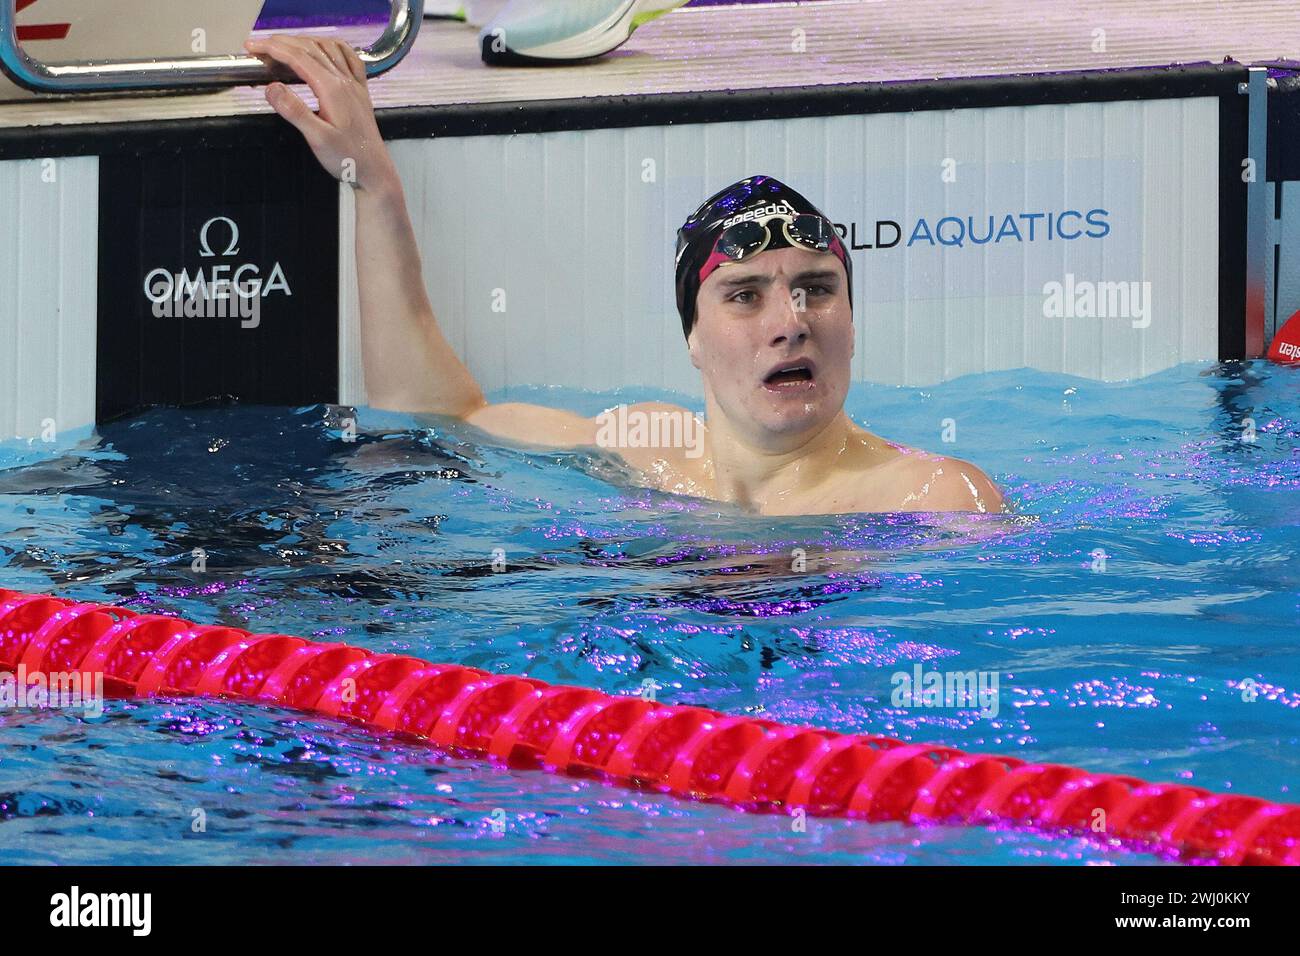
763	288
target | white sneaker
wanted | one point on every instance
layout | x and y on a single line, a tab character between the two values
549	31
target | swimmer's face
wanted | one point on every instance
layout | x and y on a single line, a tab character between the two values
773	338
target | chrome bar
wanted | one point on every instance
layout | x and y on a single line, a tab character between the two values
186	72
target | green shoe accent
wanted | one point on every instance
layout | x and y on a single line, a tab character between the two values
641	19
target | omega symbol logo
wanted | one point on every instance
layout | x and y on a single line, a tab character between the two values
205	250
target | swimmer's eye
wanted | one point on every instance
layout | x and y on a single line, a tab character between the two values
810	290
817	290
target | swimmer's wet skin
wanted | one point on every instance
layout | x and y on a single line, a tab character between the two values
763	287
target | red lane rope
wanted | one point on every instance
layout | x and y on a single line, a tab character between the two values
691	752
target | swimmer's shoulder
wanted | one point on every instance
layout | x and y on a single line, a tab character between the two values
944	483
913	479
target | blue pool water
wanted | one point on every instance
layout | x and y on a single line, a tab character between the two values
387	542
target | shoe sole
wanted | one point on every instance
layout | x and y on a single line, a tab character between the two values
638	14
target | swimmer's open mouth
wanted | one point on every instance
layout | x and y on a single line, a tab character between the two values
795	374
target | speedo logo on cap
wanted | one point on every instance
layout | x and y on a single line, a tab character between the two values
782	208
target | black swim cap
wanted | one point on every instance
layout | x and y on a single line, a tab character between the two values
699	234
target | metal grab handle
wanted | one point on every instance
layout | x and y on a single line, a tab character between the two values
187	72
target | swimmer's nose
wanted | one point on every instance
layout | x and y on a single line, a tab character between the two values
789	323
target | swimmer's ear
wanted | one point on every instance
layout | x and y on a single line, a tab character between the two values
690	345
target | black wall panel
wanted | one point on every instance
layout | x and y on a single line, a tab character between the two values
268	214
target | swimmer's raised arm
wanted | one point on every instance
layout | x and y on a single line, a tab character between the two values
409	365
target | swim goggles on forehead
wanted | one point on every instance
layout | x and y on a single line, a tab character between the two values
747	239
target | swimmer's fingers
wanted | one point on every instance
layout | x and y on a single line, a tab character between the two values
291	106
316	71
325	67
313	49
277	53
344	59
302	54
334	50
354	62
308	62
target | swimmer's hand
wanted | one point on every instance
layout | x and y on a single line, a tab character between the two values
344	135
